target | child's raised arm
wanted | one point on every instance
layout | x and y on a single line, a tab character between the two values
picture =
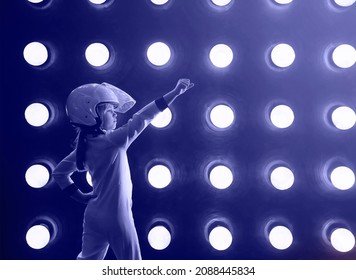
126	134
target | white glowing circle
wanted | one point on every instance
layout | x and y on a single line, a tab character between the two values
159	176
221	55
35	54
159	2
89	179
38	237
343	178
220	238
221	177
342	240
282	178
97	54
97	2
35	1
345	3
281	237
282	116
221	2
222	116
37	114
344	56
37	176
282	2
159	238
283	55
163	119
158	54
343	118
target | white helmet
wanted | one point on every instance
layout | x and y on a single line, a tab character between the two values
82	102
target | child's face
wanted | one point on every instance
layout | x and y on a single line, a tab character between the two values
108	117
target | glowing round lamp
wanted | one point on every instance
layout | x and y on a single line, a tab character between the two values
97	54
159	238
344	56
159	176
163	119
222	116
283	2
158	54
221	2
220	238
343	178
282	116
35	1
281	237
38	237
345	3
343	118
221	55
37	176
159	2
97	2
35	54
89	179
282	178
342	240
221	177
283	55
37	114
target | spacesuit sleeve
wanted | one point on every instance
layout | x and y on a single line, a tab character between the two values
61	174
126	134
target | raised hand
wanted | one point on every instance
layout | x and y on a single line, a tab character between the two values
183	85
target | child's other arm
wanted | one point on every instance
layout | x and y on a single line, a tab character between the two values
61	174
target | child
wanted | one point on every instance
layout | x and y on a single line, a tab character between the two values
101	149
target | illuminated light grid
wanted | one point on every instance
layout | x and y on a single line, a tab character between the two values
158	54
221	177
343	118
38	237
221	55
280	237
97	54
336	119
35	54
282	116
282	178
344	56
37	176
282	55
222	116
37	114
342	178
220	238
342	240
159	2
344	3
159	237
163	119
159	176
221	3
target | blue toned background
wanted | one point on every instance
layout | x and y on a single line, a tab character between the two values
312	86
